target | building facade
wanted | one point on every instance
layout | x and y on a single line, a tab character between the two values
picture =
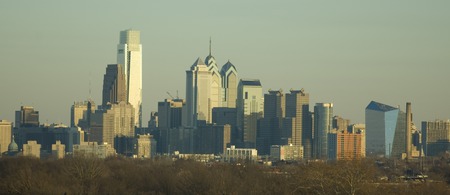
80	112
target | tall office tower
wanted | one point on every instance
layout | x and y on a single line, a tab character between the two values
215	97
340	123
115	121
27	117
114	89
297	106
408	137
249	104
270	127
198	94
323	114
436	137
79	113
129	54
229	85
5	135
385	130
169	119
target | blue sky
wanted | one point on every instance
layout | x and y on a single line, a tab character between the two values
344	52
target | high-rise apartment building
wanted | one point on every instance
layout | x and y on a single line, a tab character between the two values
250	108
385	130
114	88
340	123
27	117
435	137
323	114
5	135
344	145
129	54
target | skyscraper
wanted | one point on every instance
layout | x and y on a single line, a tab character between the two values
270	127
129	54
114	89
229	85
79	114
250	104
323	114
385	130
198	94
297	106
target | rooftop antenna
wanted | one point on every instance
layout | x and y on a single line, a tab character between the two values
89	86
210	45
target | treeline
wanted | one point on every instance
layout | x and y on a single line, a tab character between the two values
131	176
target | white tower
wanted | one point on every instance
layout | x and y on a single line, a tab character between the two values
129	53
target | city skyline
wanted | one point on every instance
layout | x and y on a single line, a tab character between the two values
349	54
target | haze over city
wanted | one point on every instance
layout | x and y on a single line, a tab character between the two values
347	52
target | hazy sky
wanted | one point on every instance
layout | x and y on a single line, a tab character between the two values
344	52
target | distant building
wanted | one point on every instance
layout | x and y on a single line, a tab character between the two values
207	88
227	116
234	154
323	113
80	113
344	145
385	130
5	135
27	117
32	148
286	152
340	124
115	121
58	150
211	139
48	135
230	80
436	137
199	102
114	85
93	149
129	54
145	146
170	117
270	127
297	108
359	129
249	108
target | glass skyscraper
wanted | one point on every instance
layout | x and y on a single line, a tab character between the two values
385	130
323	122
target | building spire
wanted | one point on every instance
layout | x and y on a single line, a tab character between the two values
210	45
